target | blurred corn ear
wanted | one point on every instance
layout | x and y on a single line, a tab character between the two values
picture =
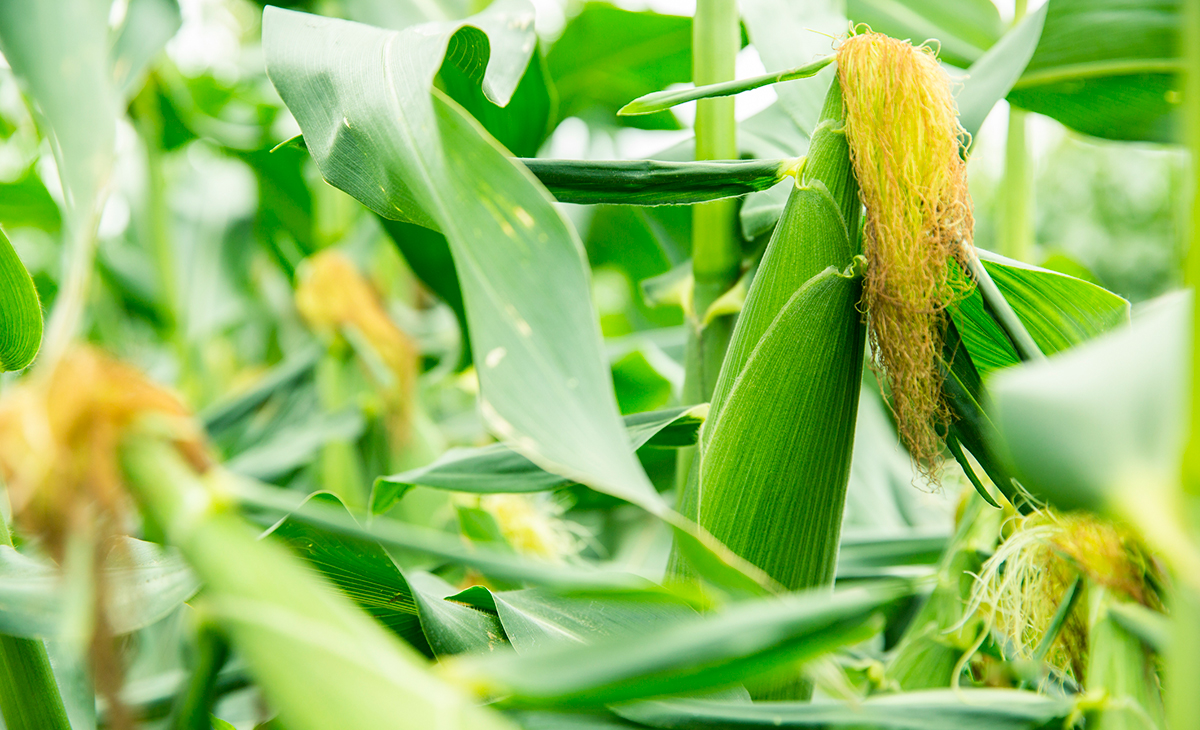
938	636
775	451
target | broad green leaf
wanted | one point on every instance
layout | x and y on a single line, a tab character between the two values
661	100
1102	425
20	311
26	202
498	469
746	640
981	709
391	534
451	627
791	35
992	76
1107	68
148	583
363	98
147	26
1059	311
288	624
607	56
535	619
963	29
863	554
360	568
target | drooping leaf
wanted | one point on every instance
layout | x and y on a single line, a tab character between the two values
363	98
746	640
20	311
607	56
986	709
148	583
1107	68
498	469
1058	310
1102	425
451	627
660	100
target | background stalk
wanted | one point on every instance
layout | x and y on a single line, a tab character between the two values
1016	233
716	254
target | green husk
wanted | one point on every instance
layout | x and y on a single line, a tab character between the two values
775	450
1121	666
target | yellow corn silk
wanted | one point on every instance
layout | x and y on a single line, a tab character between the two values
902	125
1021	587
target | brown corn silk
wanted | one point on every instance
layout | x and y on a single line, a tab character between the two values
59	441
902	126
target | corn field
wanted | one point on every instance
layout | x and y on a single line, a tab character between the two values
566	365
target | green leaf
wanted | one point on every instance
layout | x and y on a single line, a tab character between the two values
963	29
451	627
992	76
147	27
660	100
59	50
296	444
524	122
1102	426
363	98
26	202
148	583
498	469
360	568
1059	311
289	624
1107	68
746	640
984	709
607	56
535	619
20	311
391	534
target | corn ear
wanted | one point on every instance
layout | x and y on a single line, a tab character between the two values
775	450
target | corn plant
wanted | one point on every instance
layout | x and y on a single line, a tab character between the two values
372	396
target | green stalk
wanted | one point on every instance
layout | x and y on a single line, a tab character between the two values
29	696
194	704
653	182
716	253
1016	220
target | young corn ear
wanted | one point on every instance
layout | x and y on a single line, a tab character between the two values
902	124
774	453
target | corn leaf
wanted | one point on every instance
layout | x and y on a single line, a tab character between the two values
451	627
1107	68
1059	311
363	98
1104	421
147	27
20	311
289	624
607	56
498	469
660	100
985	709
148	583
992	75
746	640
